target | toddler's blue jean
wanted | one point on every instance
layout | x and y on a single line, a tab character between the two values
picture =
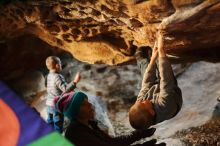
55	118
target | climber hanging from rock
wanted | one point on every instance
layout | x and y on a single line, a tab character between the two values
156	101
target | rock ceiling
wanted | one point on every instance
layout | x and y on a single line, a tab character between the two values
109	31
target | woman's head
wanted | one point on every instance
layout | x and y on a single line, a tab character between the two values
141	114
86	111
79	108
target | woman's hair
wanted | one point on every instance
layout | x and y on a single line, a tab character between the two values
51	62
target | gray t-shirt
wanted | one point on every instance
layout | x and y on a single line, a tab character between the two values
165	96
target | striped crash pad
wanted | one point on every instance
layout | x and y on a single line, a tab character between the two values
20	125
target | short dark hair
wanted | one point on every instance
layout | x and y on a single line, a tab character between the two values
139	119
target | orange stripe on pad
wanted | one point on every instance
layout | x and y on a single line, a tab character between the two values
9	127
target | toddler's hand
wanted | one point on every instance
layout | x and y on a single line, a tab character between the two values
77	77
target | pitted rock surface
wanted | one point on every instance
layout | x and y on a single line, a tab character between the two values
109	31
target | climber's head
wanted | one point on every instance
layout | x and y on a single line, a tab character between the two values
142	114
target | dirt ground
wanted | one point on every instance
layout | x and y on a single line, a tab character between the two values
205	135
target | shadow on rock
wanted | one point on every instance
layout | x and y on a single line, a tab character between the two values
216	112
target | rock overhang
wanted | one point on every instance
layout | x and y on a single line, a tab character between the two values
109	31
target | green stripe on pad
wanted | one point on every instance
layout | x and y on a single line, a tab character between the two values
52	139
